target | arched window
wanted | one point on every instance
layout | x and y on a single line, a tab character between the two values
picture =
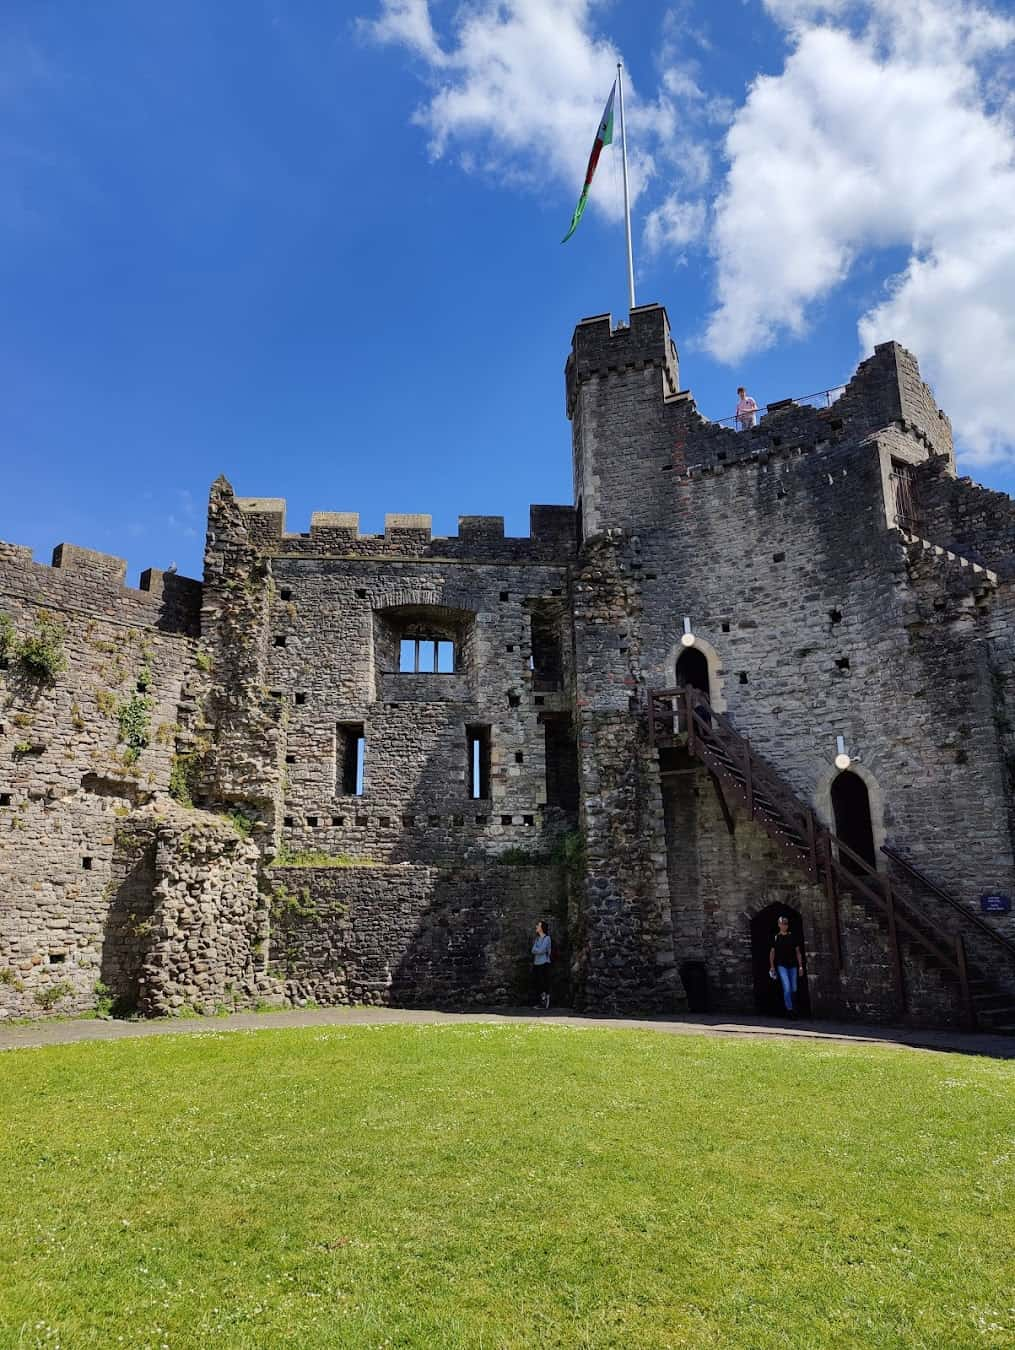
852	811
692	669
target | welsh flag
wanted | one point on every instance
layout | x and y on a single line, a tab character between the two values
604	136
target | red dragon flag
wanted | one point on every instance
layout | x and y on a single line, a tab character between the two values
604	136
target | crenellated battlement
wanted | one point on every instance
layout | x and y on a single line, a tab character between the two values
85	580
337	533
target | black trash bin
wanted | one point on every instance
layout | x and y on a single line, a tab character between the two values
695	981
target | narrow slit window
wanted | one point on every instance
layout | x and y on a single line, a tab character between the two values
351	759
478	742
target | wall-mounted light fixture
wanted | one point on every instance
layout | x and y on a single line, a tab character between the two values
687	639
842	759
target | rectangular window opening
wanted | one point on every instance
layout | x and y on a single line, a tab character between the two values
426	656
86	863
547	657
351	759
5	799
478	742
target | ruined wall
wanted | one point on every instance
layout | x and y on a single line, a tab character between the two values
415	935
68	773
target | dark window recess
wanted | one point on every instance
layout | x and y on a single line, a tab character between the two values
504	595
519	757
338	820
778	557
842	662
507	820
514	700
434	820
5	799
285	593
561	762
57	958
312	822
275	693
539	701
362	822
579	525
408	822
482	820
279	640
742	677
301	698
547	660
835	616
351	759
290	759
426	656
360	593
477	741
86	863
726	628
510	647
288	822
556	592
457	821
528	820
650	576
384	822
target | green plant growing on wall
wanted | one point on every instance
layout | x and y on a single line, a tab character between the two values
144	679
41	653
240	822
76	716
182	774
134	717
9	977
8	639
48	998
105	701
203	660
315	858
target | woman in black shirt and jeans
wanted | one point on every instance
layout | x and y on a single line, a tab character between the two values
786	962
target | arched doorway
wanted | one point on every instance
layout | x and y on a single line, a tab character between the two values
851	809
692	669
768	992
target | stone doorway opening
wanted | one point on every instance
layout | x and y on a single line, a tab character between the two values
768	992
692	669
851	808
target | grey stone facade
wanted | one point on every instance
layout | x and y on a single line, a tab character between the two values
347	767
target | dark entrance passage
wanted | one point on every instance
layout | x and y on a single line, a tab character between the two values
768	992
692	669
852	811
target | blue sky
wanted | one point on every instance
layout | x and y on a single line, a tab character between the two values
315	246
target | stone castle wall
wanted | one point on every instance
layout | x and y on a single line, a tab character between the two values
182	827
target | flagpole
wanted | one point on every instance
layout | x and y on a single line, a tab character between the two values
627	191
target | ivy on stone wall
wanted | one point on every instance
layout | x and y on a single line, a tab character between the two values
41	653
134	717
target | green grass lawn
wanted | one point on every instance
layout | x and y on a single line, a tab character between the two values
518	1186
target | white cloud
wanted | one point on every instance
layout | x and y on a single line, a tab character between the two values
518	87
875	136
675	225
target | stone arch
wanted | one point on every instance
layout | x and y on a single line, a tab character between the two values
716	681
823	803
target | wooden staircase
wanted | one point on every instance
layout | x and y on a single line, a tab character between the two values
960	945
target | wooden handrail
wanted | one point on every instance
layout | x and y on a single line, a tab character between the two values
966	914
824	851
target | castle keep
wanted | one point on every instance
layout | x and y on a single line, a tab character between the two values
357	768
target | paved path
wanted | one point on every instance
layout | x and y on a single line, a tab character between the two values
37	1034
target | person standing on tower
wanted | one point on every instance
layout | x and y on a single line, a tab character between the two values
747	409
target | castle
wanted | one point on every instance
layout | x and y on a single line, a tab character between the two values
752	670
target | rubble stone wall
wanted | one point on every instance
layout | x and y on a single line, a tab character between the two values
410	935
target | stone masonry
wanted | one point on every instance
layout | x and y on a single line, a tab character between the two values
357	768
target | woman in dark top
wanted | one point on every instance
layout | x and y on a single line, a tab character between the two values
786	962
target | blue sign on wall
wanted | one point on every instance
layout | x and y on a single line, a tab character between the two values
995	904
